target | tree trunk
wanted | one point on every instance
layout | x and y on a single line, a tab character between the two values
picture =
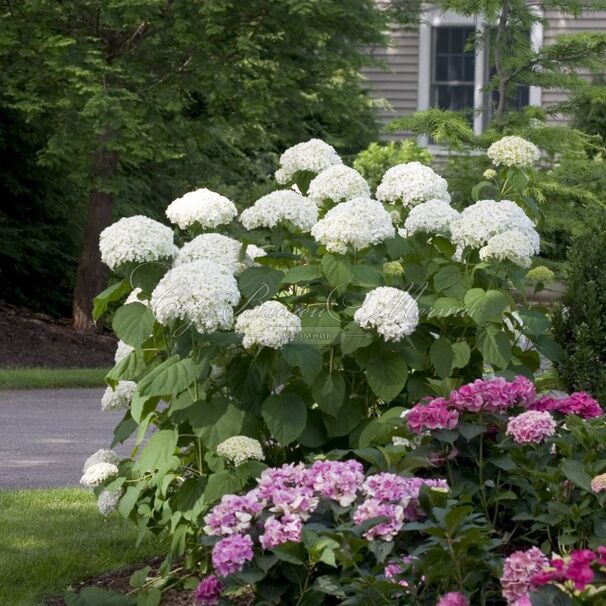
92	274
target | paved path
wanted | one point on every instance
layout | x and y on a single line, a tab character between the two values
46	435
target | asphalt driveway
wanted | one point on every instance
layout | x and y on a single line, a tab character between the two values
46	435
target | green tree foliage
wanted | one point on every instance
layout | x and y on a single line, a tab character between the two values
124	90
579	324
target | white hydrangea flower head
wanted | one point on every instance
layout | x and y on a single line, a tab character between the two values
392	312
136	239
101	456
412	183
119	398
217	248
239	449
312	156
255	252
485	219
357	223
107	501
432	217
279	206
338	183
512	245
202	292
122	351
202	207
98	473
269	325
133	296
513	151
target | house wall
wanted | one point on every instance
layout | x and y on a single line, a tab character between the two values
398	81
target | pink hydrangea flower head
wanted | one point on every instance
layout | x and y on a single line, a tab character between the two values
453	598
545	404
386	531
579	570
598	484
495	395
288	490
531	427
208	591
337	480
580	404
518	571
523	390
233	514
281	530
433	415
231	554
385	487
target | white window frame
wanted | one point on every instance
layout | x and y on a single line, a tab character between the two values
436	18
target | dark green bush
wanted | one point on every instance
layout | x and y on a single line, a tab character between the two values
580	323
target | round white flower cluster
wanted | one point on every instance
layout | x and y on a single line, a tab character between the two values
512	245
122	351
485	219
357	223
281	205
432	217
513	151
240	449
392	312
119	398
270	325
97	474
202	292
101	456
412	183
136	239
312	156
108	500
338	184
216	248
204	207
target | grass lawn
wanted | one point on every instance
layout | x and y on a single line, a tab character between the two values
37	378
53	537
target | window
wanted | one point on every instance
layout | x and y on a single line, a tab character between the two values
453	69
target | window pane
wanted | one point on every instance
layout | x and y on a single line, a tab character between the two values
442	39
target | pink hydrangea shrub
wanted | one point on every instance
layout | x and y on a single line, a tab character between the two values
518	572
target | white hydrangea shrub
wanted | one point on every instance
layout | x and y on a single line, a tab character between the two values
269	325
485	219
120	397
312	156
285	205
512	245
239	449
202	207
513	151
217	248
136	239
411	184
203	293
98	474
338	183
392	312
355	224
431	217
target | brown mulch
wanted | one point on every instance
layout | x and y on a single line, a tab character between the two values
30	339
118	581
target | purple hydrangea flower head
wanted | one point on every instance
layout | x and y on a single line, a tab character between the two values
234	514
453	598
372	508
231	554
337	480
281	530
208	591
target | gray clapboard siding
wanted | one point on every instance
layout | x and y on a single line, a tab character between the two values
397	80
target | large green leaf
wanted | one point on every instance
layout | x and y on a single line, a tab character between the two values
126	369
112	293
219	484
354	337
172	376
461	353
215	421
320	326
337	269
329	392
534	322
259	284
495	347
367	275
575	472
442	357
285	416
133	323
305	357
447	277
484	305
302	273
158	450
387	374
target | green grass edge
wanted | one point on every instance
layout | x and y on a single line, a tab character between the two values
39	378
